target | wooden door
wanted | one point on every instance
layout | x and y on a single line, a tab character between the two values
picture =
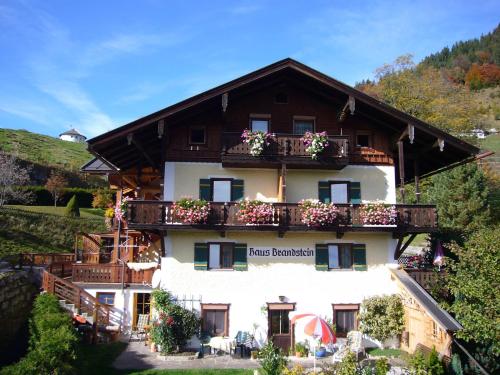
280	329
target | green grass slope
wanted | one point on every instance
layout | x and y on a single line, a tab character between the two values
45	150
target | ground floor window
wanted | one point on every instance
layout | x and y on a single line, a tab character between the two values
142	305
345	318
106	298
215	319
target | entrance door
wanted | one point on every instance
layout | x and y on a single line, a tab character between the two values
280	329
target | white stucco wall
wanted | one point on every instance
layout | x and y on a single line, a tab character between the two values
72	138
268	278
122	311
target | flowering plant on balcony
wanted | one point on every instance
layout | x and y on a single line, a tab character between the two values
315	143
378	213
255	212
316	213
121	208
257	140
191	211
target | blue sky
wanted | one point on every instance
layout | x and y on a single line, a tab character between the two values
96	65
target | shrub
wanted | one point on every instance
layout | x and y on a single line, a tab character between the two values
174	324
381	366
42	197
348	365
271	359
102	198
420	365
72	209
456	365
382	317
52	341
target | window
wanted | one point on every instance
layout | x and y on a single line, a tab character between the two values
281	98
259	125
339	256
142	305
345	318
363	140
435	330
279	321
215	319
220	255
197	135
301	126
339	192
221	190
105	298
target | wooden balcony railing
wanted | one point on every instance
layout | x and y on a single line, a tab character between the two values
284	148
287	216
110	273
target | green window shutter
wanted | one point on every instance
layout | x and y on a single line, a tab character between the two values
205	189
201	256
237	190
321	257
240	257
359	257
355	192
324	191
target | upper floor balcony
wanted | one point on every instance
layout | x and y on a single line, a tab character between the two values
285	217
284	149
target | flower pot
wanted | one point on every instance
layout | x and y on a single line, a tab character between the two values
153	347
253	354
298	354
320	352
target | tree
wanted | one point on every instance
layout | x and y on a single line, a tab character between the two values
55	185
102	198
463	208
382	317
12	177
474	281
72	209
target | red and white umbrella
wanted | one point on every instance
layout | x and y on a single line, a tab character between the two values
316	327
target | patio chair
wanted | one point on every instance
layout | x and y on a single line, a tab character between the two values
243	340
353	344
140	328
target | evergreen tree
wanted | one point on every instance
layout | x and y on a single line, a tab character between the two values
461	196
72	208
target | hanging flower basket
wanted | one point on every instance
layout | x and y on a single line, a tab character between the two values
121	208
255	212
257	140
378	213
315	143
191	211
315	213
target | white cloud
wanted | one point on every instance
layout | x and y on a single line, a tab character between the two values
245	9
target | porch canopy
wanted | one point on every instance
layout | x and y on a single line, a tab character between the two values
142	143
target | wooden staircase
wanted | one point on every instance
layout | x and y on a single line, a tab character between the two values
76	300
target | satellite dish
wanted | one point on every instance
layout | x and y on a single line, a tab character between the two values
156	281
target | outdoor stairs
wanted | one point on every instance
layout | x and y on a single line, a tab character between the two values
71	308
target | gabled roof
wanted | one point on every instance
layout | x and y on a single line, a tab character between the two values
429	304
72	131
99	166
386	115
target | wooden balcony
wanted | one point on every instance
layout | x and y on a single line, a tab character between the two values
110	273
287	217
285	149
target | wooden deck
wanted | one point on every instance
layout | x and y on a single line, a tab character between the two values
287	217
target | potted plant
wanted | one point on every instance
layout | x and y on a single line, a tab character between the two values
255	212
316	213
378	213
191	211
257	140
315	143
320	352
301	349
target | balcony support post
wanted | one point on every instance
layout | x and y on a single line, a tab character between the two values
401	247
401	162
417	180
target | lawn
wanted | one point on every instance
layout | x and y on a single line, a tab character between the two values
491	143
91	213
384	352
193	372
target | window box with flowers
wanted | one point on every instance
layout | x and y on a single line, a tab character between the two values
257	140
317	214
191	211
254	212
315	143
378	213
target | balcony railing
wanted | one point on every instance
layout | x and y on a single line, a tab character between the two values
286	148
110	273
286	216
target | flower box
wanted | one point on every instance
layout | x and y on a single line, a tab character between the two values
315	143
315	213
255	212
191	211
378	214
257	140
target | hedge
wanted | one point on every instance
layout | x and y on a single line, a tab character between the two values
42	197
